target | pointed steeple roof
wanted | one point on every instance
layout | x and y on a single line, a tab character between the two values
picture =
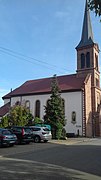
87	34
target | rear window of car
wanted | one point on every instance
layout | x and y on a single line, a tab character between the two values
17	129
46	129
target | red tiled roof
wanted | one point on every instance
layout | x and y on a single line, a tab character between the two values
4	109
41	86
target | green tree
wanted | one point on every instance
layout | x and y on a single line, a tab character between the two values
37	120
4	121
20	115
54	111
95	5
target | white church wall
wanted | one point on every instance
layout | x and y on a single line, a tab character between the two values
42	98
73	102
32	99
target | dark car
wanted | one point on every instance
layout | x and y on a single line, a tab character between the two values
7	138
24	134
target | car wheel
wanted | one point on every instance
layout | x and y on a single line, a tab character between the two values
36	139
1	144
27	142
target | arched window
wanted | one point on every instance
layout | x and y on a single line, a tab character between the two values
97	82
37	109
96	61
27	104
88	60
82	61
63	103
73	117
98	100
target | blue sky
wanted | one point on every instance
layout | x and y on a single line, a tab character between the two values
38	39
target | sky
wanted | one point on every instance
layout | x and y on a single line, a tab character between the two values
38	39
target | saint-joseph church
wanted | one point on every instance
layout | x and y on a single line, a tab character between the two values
80	91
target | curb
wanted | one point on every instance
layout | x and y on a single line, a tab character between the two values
72	141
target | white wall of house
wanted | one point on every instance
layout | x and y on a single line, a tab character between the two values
73	102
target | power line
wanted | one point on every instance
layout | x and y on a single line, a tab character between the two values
20	54
17	54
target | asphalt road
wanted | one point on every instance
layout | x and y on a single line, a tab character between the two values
81	161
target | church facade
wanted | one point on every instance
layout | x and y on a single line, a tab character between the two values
80	92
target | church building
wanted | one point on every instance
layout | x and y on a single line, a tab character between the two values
80	92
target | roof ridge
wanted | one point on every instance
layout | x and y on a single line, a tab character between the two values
49	77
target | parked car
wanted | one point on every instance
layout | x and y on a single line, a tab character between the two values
24	134
41	133
43	125
7	138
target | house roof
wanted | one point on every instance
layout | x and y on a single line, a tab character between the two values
43	86
4	109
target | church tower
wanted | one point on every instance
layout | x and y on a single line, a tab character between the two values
88	60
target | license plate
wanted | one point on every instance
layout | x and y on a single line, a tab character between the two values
12	141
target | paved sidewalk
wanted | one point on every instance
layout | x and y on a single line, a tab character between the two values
71	141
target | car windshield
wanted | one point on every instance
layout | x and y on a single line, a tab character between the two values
6	132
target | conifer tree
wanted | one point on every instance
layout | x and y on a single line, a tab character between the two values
54	111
